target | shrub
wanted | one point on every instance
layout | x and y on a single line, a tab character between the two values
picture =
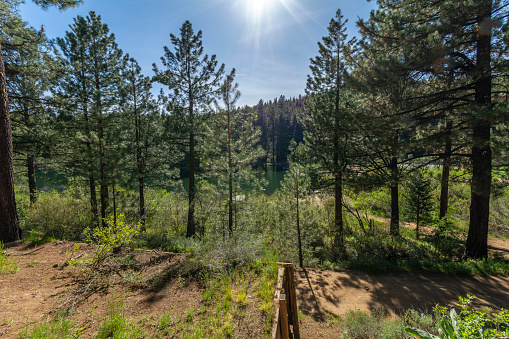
468	324
114	234
62	215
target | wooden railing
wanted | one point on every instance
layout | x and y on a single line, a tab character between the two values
286	319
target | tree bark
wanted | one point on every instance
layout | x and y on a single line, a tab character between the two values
9	224
191	225
102	164
32	183
394	227
230	179
444	188
477	240
338	216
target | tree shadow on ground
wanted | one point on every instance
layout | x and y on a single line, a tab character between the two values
328	292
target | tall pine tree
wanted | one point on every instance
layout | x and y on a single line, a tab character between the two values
194	80
9	224
330	123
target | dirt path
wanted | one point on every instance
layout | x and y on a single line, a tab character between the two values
322	294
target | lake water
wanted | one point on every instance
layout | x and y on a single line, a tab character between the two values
52	180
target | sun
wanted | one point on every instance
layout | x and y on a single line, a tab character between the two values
258	7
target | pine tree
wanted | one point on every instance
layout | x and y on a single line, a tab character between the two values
230	147
194	80
468	37
418	203
330	124
89	91
9	224
297	184
25	87
146	146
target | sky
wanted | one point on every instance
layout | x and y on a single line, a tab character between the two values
268	42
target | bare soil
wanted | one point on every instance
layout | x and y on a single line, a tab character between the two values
322	294
43	283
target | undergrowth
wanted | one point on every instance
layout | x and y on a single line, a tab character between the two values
7	263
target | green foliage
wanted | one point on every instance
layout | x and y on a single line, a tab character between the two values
113	235
117	325
365	325
469	324
266	288
376	201
61	215
7	264
61	327
418	204
166	212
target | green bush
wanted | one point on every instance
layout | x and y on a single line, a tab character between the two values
114	234
375	325
468	324
166	213
62	215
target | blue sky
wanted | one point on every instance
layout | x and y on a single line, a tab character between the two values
269	42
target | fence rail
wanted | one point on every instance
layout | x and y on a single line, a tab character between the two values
285	324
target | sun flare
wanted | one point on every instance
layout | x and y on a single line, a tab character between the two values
258	7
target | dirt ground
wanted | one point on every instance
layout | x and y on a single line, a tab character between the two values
43	283
322	294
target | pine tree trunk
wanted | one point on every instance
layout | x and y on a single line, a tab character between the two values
298	225
102	164
230	179
141	188
32	183
417	216
477	240
9	224
394	227
91	175
191	225
338	217
93	195
139	158
444	189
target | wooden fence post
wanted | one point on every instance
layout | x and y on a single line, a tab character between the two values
285	299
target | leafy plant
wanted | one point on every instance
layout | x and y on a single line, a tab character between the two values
113	235
468	324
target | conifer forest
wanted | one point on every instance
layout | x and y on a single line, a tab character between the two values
394	159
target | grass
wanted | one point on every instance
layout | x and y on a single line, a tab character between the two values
383	253
267	287
60	327
378	325
7	264
117	325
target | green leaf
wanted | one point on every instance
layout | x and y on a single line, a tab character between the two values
420	333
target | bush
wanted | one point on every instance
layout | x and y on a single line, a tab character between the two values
114	234
62	215
362	325
468	324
